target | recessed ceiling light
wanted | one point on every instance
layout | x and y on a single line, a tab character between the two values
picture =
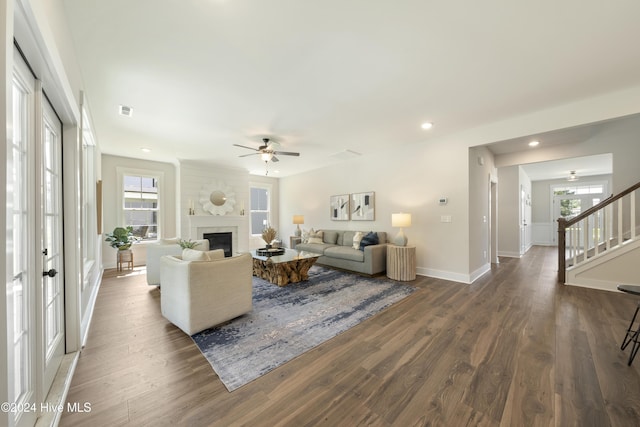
145	150
427	125
125	111
534	143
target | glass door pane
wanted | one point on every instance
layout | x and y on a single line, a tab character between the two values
21	327
52	283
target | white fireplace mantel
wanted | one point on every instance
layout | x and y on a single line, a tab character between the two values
236	224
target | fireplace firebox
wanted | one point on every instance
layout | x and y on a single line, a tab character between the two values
222	241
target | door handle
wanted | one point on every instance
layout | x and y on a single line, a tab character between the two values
50	273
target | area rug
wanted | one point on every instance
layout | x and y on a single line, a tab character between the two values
288	321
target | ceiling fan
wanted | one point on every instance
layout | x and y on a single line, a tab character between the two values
267	151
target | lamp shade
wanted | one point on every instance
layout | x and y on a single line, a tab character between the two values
298	219
401	220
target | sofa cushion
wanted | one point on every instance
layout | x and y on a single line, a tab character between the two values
330	237
316	248
194	255
344	252
369	239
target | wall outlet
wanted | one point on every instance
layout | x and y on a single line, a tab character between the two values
445	218
484	254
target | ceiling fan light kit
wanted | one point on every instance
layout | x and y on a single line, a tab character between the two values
267	153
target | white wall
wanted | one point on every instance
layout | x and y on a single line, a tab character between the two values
509	211
543	221
481	173
194	176
408	179
111	211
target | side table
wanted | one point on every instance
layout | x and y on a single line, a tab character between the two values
293	241
401	262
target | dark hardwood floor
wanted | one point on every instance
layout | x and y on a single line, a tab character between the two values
513	349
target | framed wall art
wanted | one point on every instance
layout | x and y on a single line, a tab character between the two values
363	206
339	207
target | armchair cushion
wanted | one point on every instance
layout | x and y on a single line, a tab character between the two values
165	247
194	255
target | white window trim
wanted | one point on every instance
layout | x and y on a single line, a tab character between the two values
269	188
121	171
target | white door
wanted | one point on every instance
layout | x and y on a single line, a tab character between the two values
35	290
21	244
52	294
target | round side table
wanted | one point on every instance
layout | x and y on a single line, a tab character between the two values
401	262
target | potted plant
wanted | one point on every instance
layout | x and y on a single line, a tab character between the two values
121	238
188	244
268	235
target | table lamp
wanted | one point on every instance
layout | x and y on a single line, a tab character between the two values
400	220
298	219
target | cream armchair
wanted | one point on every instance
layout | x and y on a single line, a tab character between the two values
165	247
197	295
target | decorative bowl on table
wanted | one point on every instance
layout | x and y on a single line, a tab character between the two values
269	251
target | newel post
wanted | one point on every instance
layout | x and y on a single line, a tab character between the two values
562	253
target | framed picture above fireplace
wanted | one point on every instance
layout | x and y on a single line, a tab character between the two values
217	198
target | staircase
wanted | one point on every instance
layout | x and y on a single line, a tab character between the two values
600	248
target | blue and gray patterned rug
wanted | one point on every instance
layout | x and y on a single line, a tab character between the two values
286	322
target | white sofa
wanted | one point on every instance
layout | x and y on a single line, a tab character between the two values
197	295
161	248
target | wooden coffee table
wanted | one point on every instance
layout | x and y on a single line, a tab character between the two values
291	267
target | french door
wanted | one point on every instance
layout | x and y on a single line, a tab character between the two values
35	302
51	306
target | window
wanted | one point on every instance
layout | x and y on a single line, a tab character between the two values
89	206
259	209
141	203
578	189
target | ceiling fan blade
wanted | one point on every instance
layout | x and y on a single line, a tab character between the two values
274	159
286	153
250	154
244	146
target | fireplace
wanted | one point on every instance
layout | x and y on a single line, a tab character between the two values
222	241
197	226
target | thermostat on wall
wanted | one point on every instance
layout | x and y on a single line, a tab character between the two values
443	200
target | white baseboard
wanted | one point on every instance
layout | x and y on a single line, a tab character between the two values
509	254
475	275
444	275
597	284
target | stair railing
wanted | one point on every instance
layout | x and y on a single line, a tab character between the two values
601	227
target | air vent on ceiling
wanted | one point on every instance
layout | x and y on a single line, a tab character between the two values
345	155
126	111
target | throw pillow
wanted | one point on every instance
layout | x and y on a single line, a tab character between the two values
305	235
173	241
194	255
315	237
370	239
357	238
215	254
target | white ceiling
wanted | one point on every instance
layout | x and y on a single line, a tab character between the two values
325	77
601	164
